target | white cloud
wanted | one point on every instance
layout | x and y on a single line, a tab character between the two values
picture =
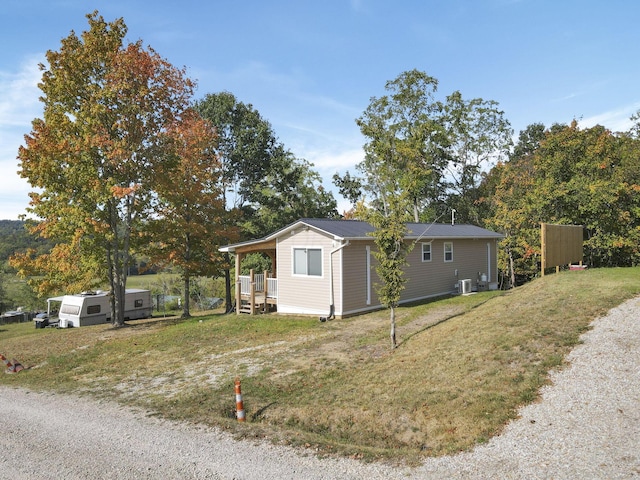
19	94
617	120
332	161
19	105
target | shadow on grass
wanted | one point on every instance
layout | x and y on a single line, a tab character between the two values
446	319
261	411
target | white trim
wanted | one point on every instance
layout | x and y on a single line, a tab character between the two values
298	310
488	262
430	251
368	262
293	261
444	247
402	302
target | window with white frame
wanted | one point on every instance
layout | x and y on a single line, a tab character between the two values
448	251
307	261
426	252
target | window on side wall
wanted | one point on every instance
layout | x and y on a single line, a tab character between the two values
426	252
448	251
307	261
91	309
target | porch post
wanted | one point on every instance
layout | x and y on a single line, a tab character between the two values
273	263
252	296
266	291
238	286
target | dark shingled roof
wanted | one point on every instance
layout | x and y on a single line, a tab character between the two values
356	229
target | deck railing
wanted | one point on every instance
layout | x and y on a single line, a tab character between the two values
272	288
251	288
245	284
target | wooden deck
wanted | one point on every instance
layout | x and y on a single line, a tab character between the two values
260	304
256	293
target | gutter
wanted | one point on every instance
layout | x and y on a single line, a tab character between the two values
331	294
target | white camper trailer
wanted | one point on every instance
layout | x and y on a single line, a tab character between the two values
94	308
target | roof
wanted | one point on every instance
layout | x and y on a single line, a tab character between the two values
359	230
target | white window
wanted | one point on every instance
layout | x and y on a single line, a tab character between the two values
70	309
307	261
426	252
448	251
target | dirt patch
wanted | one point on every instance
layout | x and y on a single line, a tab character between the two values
344	342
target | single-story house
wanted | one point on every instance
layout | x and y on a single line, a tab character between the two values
326	267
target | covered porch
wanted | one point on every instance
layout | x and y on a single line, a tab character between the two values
258	291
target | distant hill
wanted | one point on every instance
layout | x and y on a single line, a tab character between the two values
15	238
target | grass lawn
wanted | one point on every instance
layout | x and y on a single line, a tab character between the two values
462	368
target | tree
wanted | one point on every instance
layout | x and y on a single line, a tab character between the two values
191	222
569	175
94	155
391	253
264	185
406	141
290	192
502	192
350	187
439	150
479	136
246	146
399	166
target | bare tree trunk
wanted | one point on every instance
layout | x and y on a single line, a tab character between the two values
512	272
227	286
393	327
186	313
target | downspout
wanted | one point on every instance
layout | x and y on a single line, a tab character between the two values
331	294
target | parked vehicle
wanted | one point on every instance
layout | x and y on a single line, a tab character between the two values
94	308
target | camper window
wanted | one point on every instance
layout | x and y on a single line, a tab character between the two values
70	309
138	303
91	309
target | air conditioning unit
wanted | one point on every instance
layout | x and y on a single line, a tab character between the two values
464	286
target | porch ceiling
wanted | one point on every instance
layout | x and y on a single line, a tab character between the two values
257	247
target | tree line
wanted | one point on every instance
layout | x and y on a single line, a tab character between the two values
125	161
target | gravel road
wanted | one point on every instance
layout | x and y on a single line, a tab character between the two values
587	426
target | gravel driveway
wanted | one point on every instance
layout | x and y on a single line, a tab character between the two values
587	426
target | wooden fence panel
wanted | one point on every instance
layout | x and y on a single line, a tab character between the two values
561	244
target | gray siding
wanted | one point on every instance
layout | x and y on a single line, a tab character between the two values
354	274
437	276
424	279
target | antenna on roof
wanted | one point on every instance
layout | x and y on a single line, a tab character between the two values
453	217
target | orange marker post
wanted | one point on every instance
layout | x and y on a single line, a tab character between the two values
14	367
239	405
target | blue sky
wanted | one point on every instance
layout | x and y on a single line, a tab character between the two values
311	67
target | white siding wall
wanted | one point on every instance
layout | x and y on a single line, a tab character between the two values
306	294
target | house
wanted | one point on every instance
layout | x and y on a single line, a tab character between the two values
326	268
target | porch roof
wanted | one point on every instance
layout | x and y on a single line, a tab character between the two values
359	230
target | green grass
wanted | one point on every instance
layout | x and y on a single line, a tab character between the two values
463	366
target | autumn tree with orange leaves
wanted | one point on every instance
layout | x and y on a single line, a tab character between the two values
192	219
94	156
